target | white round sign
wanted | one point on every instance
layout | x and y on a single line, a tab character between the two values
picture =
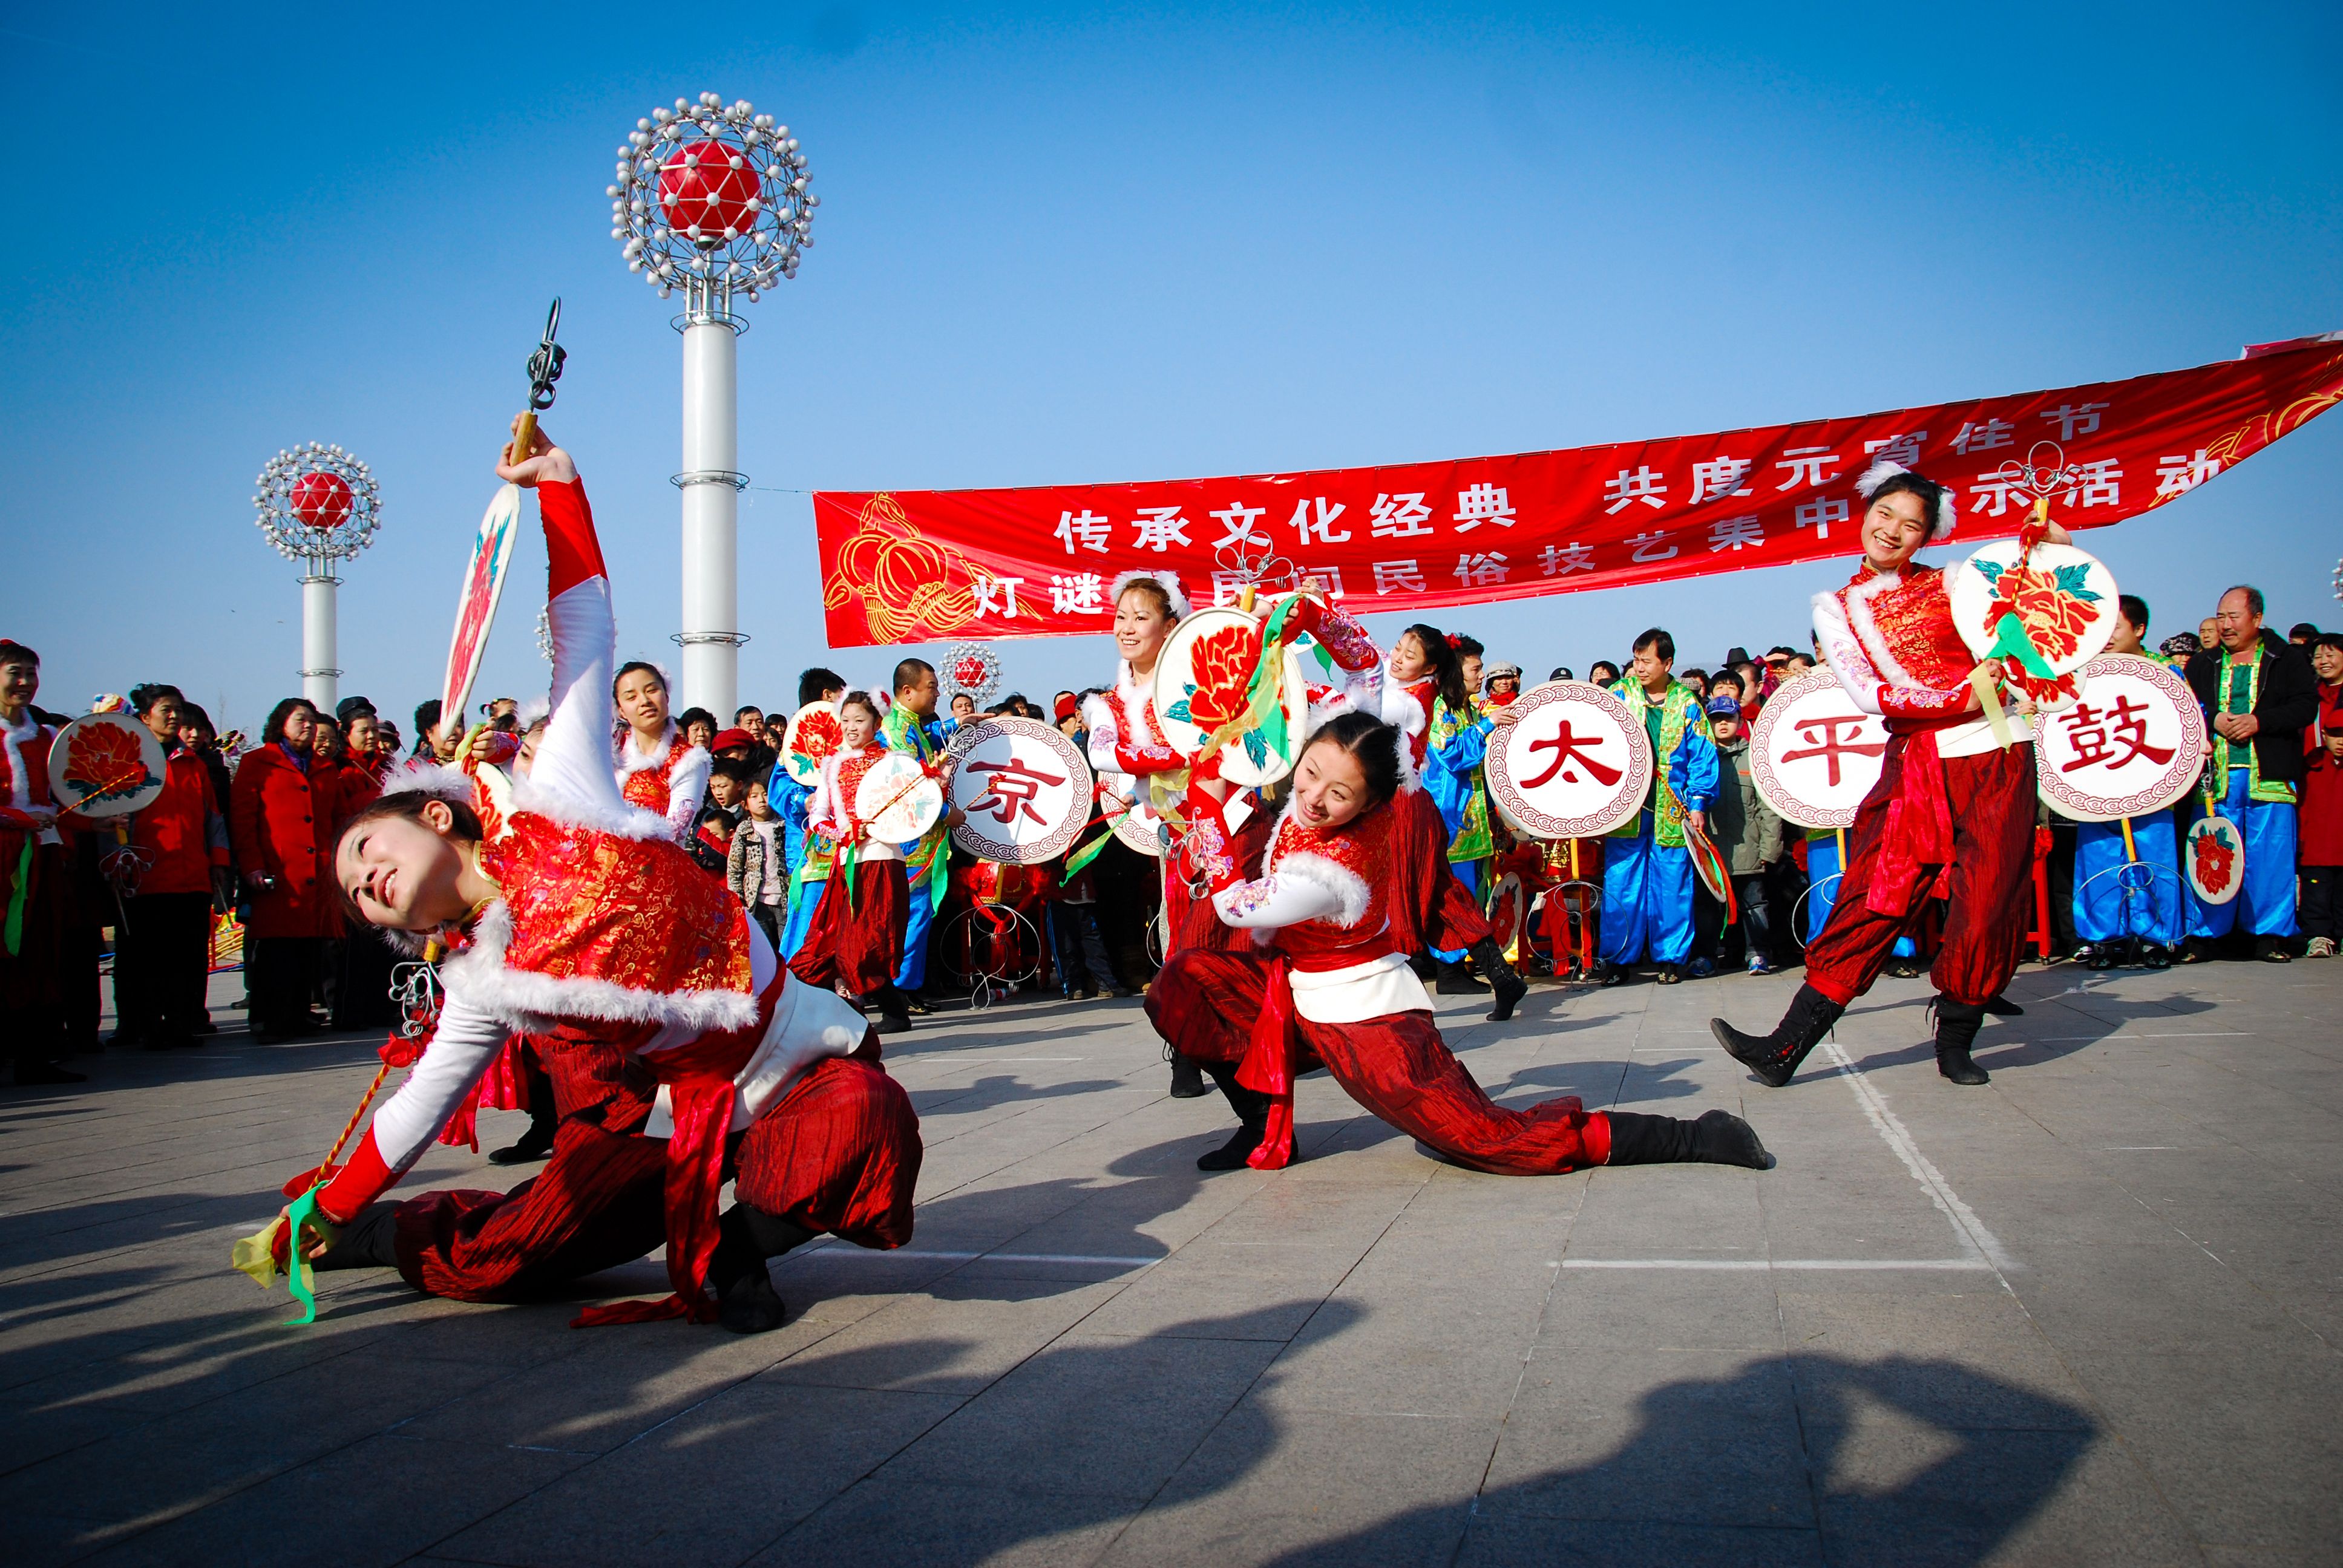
2134	742
1024	789
897	800
813	732
1136	822
1814	755
2214	853
1575	764
2064	599
1200	681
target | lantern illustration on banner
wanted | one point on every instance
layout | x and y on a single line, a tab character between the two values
712	199
319	504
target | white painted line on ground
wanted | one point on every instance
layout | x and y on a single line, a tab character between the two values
1967	1226
1838	1264
939	1256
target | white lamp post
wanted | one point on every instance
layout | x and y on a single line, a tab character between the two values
712	200
319	504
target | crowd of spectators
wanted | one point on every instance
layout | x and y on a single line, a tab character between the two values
247	831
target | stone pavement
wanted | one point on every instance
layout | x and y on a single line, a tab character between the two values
2088	1315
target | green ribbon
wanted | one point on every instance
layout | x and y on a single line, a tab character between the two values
15	934
1084	856
297	1268
2010	642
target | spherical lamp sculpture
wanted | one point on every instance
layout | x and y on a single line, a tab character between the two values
712	199
319	504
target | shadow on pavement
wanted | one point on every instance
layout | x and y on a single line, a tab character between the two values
1904	1459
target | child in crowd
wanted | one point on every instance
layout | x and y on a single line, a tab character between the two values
757	868
1748	834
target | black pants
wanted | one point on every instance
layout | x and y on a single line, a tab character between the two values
361	989
2319	912
162	962
1712	941
769	917
280	973
1080	947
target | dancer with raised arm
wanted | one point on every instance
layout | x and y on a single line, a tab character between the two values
856	940
575	916
1950	795
1333	988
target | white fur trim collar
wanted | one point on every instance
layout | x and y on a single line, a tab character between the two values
617	819
633	761
1349	887
14	736
526	999
1866	626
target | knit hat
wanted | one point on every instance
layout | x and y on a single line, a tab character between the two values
727	739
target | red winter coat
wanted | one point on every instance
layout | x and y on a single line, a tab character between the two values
2319	831
282	827
176	831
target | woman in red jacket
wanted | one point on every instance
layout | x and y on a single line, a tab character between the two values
281	822
162	950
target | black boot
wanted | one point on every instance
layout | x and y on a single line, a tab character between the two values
1187	1078
368	1241
1719	1137
1956	1028
1455	980
747	1240
538	1141
1775	1057
1252	1107
2002	1007
1421	962
893	1007
1509	986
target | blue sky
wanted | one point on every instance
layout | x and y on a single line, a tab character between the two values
1099	243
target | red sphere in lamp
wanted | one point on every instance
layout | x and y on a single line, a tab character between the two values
707	191
322	500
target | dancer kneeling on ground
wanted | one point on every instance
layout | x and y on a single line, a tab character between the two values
1334	989
578	918
1950	796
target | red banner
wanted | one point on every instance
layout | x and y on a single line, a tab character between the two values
926	565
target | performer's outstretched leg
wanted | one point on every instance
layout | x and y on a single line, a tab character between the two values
1775	1057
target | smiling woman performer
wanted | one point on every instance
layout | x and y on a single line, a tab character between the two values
1948	796
575	917
660	769
1333	987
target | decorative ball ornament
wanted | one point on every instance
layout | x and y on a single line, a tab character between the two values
318	502
712	199
972	671
322	500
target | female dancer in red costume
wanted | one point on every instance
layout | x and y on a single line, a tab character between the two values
856	939
1950	798
577	917
1333	987
659	769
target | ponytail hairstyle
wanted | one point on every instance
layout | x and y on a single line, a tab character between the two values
1447	669
1372	744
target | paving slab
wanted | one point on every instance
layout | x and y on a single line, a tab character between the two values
2090	1314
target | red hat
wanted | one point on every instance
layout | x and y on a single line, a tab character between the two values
1065	708
727	739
